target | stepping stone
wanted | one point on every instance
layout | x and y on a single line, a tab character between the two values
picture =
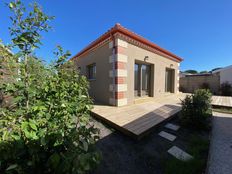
168	136
172	126
179	153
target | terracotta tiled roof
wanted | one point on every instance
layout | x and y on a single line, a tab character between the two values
120	29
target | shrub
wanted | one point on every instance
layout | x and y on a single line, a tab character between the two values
46	128
205	86
196	109
226	89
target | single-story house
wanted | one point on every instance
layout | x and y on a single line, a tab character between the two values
122	67
225	74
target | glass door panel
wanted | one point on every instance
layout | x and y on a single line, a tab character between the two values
136	80
145	78
141	80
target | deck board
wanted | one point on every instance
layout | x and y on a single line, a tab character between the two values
142	116
139	118
222	101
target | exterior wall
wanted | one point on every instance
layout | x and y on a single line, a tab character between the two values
118	61
158	65
115	59
99	87
191	83
226	75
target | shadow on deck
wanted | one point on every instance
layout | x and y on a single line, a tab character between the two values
139	119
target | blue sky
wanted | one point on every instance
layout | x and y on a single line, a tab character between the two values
200	31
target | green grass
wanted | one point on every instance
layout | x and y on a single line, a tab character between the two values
198	148
223	110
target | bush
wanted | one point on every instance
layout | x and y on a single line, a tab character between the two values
196	109
226	89
53	135
205	86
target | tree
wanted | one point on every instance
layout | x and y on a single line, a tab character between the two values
46	128
203	72
191	71
216	69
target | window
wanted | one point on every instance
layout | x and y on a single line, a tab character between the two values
91	71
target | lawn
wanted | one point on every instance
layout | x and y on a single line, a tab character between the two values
121	154
226	110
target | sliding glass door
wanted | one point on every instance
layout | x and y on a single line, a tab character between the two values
169	80
141	79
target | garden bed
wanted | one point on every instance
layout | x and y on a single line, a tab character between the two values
121	154
227	110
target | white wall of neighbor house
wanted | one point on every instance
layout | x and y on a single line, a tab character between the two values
226	75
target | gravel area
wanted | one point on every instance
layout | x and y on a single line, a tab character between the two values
220	159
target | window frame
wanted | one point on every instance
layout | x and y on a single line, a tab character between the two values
92	71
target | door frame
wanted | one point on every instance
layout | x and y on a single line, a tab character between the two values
172	84
139	80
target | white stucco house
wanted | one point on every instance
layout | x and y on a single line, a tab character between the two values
225	74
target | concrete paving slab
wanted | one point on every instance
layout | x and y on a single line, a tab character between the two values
167	136
172	126
179	153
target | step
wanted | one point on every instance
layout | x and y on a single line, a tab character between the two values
179	153
167	136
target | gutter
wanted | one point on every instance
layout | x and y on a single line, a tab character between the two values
113	67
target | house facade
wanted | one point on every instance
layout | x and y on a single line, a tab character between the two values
122	67
225	74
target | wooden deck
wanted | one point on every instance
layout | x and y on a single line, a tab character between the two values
222	101
137	119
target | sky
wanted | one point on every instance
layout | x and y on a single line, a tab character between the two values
199	31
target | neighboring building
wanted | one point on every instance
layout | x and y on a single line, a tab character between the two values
184	74
122	66
225	74
212	80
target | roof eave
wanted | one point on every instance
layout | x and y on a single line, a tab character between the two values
120	29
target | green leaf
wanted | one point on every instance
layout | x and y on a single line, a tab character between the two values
16	137
43	141
11	167
11	5
85	146
33	126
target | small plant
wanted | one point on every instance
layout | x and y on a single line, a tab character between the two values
196	109
226	89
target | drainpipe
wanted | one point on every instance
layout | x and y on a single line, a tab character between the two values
113	67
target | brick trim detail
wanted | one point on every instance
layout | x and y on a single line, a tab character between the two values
120	80
120	65
118	88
